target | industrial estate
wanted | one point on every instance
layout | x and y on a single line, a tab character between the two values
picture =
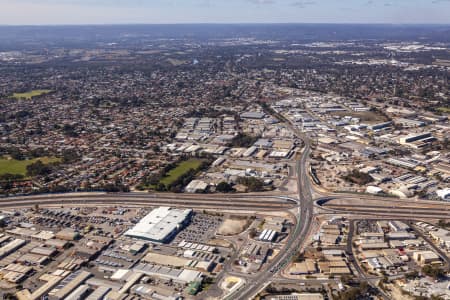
275	163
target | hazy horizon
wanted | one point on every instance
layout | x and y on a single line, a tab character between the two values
121	12
224	23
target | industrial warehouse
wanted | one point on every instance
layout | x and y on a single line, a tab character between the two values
161	224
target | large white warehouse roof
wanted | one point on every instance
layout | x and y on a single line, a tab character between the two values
159	224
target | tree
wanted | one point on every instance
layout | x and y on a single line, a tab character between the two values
299	257
9	296
38	152
358	177
346	279
443	224
446	143
153	179
412	275
433	271
15	153
243	140
70	130
10	177
253	184
69	156
224	187
160	187
38	169
114	188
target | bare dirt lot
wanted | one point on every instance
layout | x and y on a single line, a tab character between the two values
220	243
233	226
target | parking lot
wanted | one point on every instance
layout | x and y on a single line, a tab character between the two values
201	229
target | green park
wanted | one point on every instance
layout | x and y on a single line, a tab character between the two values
19	167
181	169
29	95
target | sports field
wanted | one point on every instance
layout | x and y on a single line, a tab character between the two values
180	170
30	94
19	167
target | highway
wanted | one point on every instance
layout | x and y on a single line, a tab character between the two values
384	207
382	202
389	207
272	203
297	238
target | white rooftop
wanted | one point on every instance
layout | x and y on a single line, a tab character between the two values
444	193
159	223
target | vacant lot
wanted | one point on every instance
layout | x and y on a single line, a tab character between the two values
19	167
30	94
220	243
233	226
180	170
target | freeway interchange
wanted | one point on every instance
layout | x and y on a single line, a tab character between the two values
340	204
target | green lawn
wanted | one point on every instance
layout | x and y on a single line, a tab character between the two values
13	166
444	109
180	170
30	94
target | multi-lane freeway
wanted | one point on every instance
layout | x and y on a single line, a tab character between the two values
386	207
273	203
296	239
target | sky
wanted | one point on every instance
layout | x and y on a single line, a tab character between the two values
54	12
